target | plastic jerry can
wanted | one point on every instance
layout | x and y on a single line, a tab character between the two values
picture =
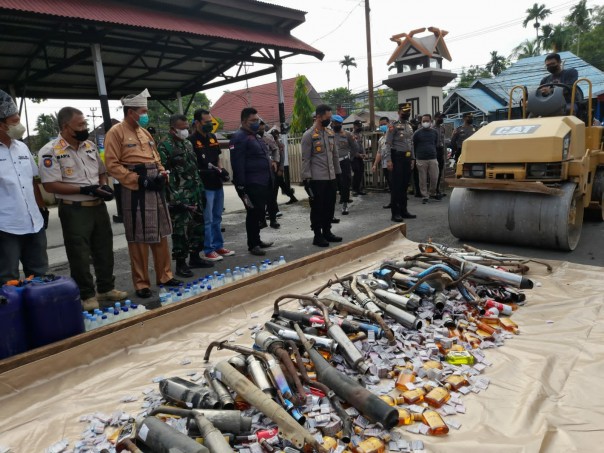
13	333
53	310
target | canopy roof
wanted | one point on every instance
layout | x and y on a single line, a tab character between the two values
167	46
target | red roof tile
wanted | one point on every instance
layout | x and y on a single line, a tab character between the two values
263	98
122	14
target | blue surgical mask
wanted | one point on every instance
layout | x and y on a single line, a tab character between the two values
255	126
384	128
143	120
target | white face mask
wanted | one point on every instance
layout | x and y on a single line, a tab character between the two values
426	124
16	131
182	133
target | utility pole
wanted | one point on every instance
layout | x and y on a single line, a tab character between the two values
369	68
94	116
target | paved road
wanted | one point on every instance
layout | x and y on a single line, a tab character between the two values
294	238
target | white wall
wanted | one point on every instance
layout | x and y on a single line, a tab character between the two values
425	98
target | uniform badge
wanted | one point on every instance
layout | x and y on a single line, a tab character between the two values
47	162
69	171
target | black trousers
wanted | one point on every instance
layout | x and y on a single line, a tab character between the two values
271	204
416	189
30	249
323	205
344	180
399	182
283	185
358	178
258	196
386	178
440	158
88	240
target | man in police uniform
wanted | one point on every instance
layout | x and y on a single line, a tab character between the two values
400	162
272	208
23	215
346	147
72	169
185	197
441	151
463	132
132	158
320	167
356	160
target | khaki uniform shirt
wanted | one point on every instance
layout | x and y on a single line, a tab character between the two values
58	161
319	155
400	138
345	144
126	146
273	148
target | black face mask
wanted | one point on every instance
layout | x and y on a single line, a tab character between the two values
337	128
404	116
325	123
81	136
207	127
469	120
439	121
553	69
260	133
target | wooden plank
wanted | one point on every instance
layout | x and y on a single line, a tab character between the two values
503	184
96	334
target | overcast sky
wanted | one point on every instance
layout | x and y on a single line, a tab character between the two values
337	28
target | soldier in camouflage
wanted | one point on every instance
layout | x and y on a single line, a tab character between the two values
185	197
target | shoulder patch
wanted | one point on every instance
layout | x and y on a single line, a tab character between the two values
47	162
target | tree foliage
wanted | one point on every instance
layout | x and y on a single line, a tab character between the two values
580	20
497	64
346	63
527	48
469	75
47	128
159	115
592	49
386	100
338	97
536	13
303	107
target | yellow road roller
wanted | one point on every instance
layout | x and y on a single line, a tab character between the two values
528	181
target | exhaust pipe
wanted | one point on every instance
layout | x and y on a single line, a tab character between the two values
228	421
224	397
162	438
188	394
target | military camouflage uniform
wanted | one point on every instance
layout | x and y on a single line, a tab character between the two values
185	193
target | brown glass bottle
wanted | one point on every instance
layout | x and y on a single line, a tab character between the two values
404	417
436	424
414	396
456	381
437	397
403	379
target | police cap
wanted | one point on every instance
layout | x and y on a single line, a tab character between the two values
404	107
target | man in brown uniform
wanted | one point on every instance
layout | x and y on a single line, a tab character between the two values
131	157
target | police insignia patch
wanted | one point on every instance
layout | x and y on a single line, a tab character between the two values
69	171
47	162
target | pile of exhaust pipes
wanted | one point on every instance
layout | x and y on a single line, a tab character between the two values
324	374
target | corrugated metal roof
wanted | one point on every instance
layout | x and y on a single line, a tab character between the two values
478	98
263	98
530	71
146	18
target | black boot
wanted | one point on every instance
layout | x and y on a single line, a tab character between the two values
345	209
182	270
320	240
330	237
196	262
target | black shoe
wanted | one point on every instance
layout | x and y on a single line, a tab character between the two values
425	201
173	282
262	224
345	209
334	220
222	230
257	251
330	237
436	197
279	214
275	225
388	206
182	270
118	219
408	215
441	194
196	262
292	200
362	192
145	293
320	241
354	194
265	245
397	218
418	195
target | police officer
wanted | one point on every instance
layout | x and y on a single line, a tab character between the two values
185	197
400	162
441	151
346	147
320	165
272	208
357	163
23	215
463	132
72	169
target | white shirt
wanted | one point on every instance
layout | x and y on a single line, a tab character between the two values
19	212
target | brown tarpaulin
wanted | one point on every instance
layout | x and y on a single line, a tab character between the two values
545	393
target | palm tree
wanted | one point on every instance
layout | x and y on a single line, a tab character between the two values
497	63
555	37
527	48
536	12
347	62
580	18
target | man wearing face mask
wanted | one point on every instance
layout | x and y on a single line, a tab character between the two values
553	64
320	167
346	147
251	176
23	214
356	159
207	150
131	157
70	167
462	133
272	208
441	151
185	197
400	162
383	154
425	141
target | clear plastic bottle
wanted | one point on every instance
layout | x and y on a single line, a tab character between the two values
228	276
187	294
109	316
125	312
209	287
128	304
237	274
195	288
104	321
163	295
87	321
246	272
117	306
281	260
263	268
178	297
254	269
93	323
117	315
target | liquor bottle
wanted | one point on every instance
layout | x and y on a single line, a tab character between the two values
371	445
459	358
392	400
436	424
437	397
509	325
404	417
414	396
455	381
404	378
